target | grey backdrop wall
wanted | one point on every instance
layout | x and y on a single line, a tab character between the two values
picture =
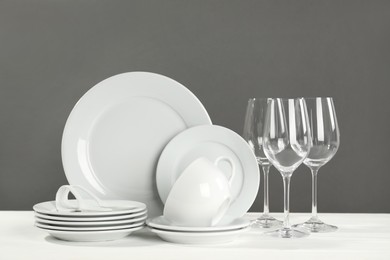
51	52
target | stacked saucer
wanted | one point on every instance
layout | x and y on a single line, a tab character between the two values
221	233
197	204
91	223
207	179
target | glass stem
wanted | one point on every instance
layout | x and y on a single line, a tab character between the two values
266	198
286	185
314	172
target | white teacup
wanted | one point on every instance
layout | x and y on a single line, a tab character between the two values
201	195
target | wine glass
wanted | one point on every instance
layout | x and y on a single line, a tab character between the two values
326	141
286	143
253	134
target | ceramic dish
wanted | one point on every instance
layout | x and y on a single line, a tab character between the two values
91	228
161	223
90	223
49	208
88	219
115	134
212	142
91	236
204	238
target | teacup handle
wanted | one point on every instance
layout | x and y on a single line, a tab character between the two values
62	202
62	198
230	161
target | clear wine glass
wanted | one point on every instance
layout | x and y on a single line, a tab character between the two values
253	134
286	143
326	141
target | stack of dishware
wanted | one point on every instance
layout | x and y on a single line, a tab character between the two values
197	204
88	220
207	177
132	137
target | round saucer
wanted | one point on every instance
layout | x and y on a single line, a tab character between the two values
90	223
124	207
164	224
88	218
89	228
196	238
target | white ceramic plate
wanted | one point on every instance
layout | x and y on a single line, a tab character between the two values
162	223
49	207
90	223
94	228
204	238
212	142
91	236
88	219
115	134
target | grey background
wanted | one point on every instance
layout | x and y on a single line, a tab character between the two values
52	52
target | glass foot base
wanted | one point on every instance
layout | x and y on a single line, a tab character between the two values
288	233
316	226
266	221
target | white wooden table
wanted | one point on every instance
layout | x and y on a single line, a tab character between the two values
360	236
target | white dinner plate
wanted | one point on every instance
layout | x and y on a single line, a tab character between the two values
212	142
94	228
90	223
115	134
162	223
203	238
49	207
88	219
91	236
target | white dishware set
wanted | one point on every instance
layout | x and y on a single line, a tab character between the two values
139	139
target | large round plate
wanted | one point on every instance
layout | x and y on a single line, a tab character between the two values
211	142
91	236
162	223
196	238
115	134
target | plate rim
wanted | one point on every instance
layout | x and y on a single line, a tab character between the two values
88	219
88	213
92	232
90	223
77	229
200	234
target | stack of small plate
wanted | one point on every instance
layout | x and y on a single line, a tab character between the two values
91	226
221	233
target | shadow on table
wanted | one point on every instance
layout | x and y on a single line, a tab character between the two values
259	240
